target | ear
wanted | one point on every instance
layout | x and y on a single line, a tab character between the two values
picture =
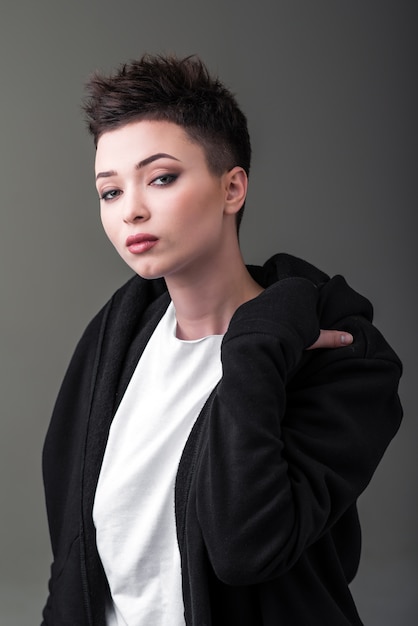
236	184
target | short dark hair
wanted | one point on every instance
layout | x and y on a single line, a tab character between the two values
177	90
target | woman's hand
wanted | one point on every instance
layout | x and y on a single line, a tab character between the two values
332	339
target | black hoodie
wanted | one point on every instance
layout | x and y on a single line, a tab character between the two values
267	486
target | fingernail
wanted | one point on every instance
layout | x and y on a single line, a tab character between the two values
346	338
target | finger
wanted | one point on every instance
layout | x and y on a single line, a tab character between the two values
332	339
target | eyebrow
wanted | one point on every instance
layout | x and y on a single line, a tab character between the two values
141	164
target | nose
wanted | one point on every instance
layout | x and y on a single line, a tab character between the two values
134	207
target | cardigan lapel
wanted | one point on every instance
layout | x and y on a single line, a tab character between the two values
126	313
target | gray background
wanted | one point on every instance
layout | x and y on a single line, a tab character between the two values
330	90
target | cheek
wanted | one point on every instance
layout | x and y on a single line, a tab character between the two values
196	209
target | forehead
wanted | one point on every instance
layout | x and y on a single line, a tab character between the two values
139	139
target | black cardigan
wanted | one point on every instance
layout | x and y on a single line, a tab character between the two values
267	485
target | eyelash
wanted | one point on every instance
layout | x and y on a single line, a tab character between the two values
111	194
171	179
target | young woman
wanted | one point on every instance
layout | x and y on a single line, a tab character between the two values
202	466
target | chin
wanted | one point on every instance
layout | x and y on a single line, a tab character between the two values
148	273
149	276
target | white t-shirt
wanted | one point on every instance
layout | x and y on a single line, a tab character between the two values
134	503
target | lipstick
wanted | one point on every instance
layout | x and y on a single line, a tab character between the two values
142	242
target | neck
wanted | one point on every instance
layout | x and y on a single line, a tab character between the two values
206	302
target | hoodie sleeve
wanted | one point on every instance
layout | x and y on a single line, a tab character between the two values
293	437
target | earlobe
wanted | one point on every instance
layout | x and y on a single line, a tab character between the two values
236	189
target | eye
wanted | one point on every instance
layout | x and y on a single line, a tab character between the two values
164	179
111	194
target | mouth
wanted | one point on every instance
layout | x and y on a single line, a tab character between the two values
140	243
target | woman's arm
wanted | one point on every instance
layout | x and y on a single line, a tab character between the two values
288	449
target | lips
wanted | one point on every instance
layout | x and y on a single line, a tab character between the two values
141	242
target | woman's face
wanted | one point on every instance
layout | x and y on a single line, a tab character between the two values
162	208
